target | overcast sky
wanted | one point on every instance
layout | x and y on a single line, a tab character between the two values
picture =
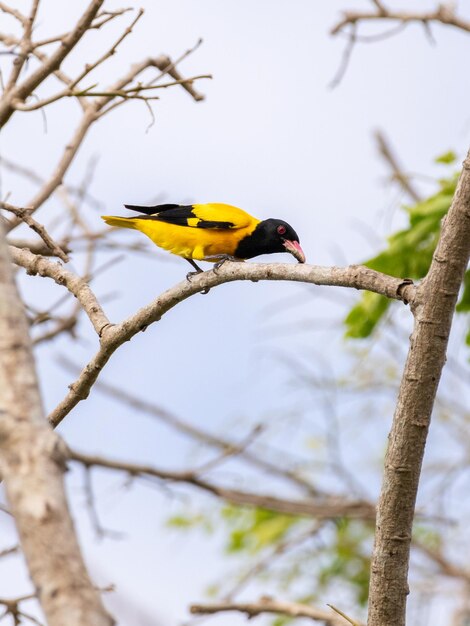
273	138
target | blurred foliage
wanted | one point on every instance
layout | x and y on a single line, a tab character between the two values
409	254
341	551
349	560
186	522
254	529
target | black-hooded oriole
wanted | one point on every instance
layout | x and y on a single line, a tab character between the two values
210	232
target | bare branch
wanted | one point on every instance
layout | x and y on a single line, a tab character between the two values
355	276
196	432
352	36
75	284
9	40
99	21
64	325
379	6
99	529
443	15
89	67
398	174
50	64
39	247
12	607
8	551
94	111
24	215
25	48
14	12
269	605
331	508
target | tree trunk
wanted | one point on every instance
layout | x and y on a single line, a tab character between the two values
433	310
32	463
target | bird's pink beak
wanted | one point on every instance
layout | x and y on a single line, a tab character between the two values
294	248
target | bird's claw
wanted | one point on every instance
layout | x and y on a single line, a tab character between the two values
189	277
221	260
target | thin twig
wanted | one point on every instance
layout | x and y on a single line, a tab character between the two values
397	172
348	619
25	216
345	59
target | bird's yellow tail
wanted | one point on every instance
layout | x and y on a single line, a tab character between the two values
120	222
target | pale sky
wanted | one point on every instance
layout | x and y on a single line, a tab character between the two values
274	139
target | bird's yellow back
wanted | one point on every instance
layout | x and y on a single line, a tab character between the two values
194	232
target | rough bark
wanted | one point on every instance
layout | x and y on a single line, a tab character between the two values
433	309
32	465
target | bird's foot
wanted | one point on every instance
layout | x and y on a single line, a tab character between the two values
190	275
221	260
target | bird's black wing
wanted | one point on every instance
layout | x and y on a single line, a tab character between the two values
180	215
152	210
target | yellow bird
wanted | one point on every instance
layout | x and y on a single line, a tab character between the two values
210	232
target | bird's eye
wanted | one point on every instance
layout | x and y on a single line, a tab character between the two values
281	230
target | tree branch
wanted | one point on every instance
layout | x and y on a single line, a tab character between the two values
348	25
323	508
24	215
93	111
37	265
25	47
433	310
112	337
49	65
196	432
443	14
397	172
14	13
270	605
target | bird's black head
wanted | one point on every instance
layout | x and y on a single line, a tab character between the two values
270	236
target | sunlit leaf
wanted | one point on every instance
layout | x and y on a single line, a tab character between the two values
447	157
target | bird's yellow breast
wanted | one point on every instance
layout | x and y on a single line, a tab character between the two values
190	242
196	231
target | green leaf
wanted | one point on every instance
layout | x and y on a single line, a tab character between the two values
365	315
238	541
349	558
447	157
180	521
407	255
